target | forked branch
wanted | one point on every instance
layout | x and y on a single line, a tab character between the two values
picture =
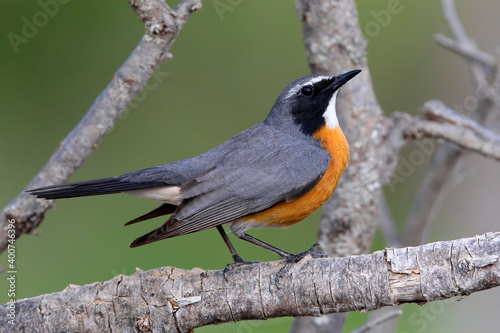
445	123
162	27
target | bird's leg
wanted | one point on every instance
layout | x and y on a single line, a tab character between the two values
234	254
238	261
290	258
285	255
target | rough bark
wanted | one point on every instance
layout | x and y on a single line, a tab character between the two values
334	43
175	300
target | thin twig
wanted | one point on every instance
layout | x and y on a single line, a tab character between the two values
456	26
163	25
446	124
393	313
483	66
466	51
466	134
438	111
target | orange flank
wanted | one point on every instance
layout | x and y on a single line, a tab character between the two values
288	213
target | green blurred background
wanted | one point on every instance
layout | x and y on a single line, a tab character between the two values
226	72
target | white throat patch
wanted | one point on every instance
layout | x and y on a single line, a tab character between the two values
330	114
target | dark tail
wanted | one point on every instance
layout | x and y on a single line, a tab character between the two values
162	232
91	187
164	209
145	239
150	237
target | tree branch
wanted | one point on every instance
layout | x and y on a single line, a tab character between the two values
453	20
466	50
447	155
334	43
373	324
451	126
171	299
443	123
162	27
461	44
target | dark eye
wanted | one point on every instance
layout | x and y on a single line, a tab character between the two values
307	90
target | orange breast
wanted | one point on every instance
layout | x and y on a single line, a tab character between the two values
288	213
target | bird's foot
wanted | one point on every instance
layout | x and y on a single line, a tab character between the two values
293	258
238	262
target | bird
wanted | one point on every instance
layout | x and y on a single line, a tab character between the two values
274	174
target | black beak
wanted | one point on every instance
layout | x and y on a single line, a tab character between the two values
342	79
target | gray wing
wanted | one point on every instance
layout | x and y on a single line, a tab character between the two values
226	193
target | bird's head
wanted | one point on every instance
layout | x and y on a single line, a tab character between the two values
308	103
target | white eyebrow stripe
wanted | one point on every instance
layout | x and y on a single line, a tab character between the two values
310	82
